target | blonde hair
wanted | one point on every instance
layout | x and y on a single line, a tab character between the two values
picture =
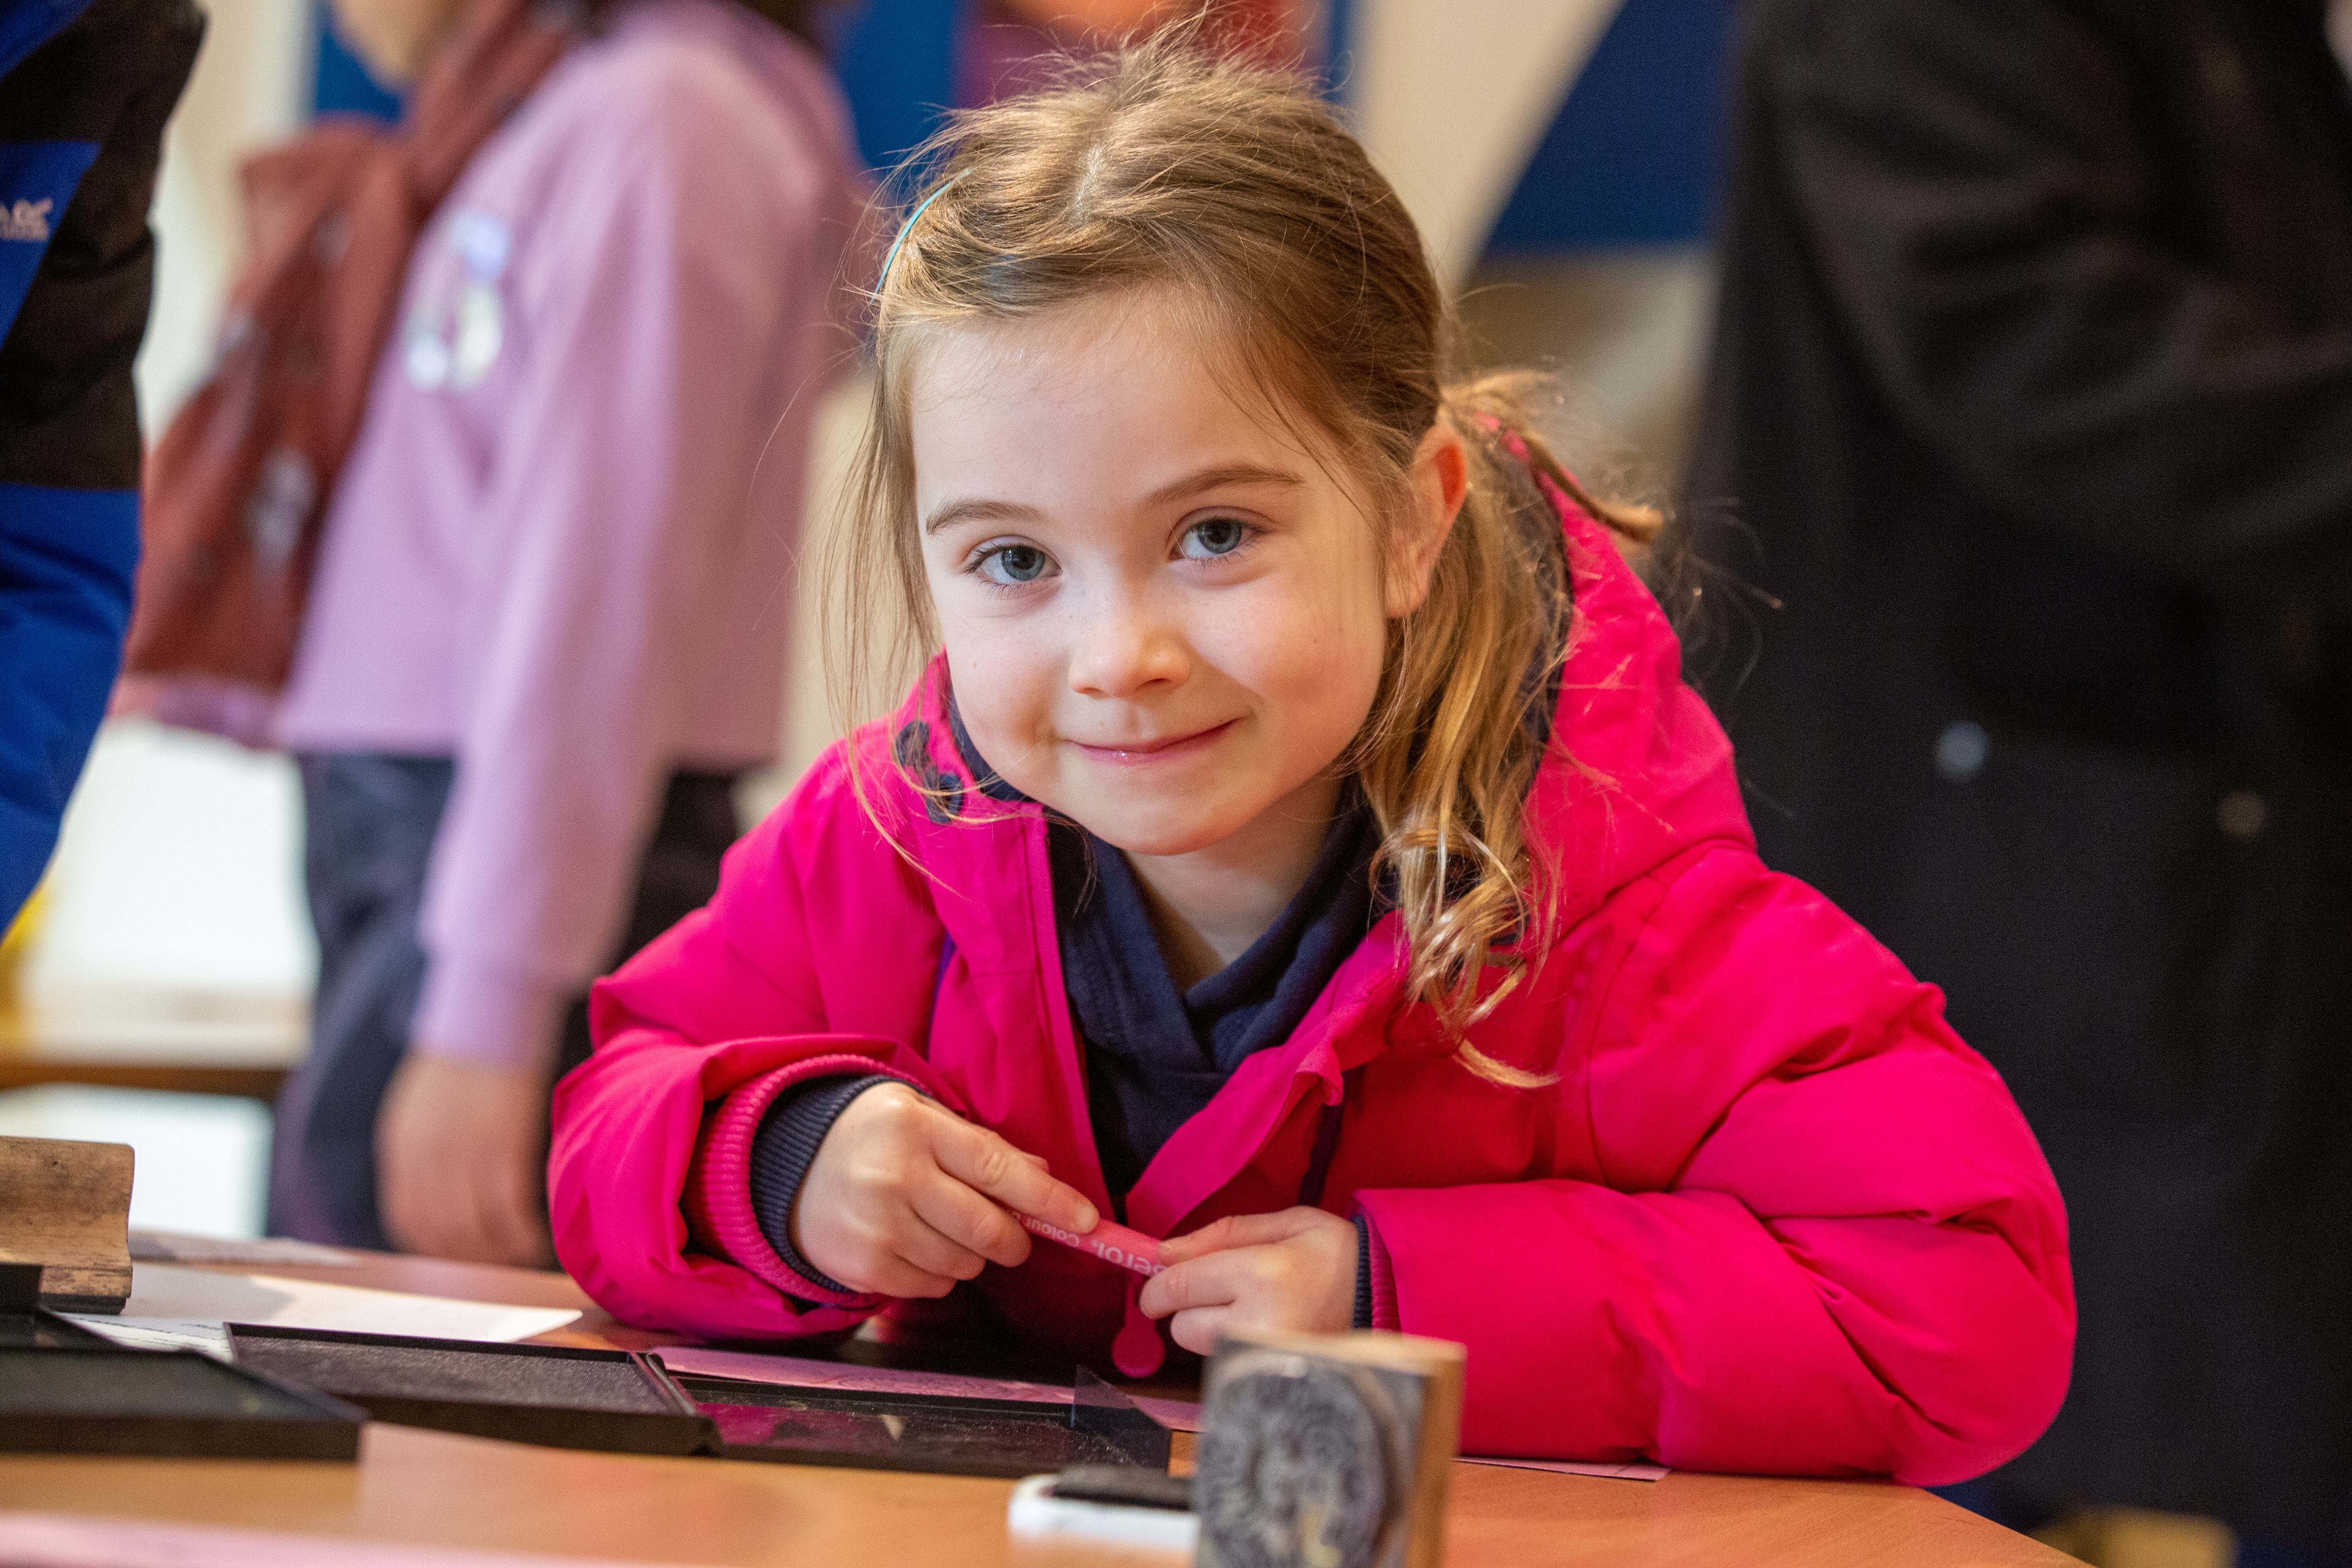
1234	188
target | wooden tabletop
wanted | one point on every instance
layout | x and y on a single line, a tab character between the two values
427	1488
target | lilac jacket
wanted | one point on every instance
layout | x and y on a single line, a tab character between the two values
562	549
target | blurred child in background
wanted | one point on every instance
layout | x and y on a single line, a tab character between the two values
547	625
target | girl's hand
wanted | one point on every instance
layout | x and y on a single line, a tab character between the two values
897	1200
1294	1270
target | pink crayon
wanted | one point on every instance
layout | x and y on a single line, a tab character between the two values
1111	1243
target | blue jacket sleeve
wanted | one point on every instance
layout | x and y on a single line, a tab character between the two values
65	561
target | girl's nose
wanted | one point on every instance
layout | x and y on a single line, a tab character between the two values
1123	648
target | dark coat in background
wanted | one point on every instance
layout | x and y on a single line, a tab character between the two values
2032	403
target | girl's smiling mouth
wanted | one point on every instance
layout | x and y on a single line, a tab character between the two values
1166	749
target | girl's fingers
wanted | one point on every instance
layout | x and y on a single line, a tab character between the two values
988	1164
970	1222
908	1259
906	1280
1242	1230
1199	1330
940	1261
891	1252
1216	1280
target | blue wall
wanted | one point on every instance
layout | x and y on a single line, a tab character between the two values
339	84
1636	154
897	63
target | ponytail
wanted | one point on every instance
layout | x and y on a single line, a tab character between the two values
1462	718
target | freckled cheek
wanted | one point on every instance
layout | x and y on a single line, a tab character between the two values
1006	681
1335	696
1317	664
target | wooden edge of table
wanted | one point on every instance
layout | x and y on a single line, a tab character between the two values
429	1488
248	1083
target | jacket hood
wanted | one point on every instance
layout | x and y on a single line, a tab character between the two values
1638	771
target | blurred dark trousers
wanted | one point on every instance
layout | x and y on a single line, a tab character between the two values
370	822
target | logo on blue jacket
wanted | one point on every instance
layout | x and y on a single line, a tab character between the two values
37	181
27	221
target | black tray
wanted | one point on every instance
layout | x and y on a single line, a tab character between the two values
24	1322
556	1395
44	1329
936	1433
108	1400
625	1402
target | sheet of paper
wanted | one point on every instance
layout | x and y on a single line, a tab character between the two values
185	1301
172	1247
1570	1467
68	1540
159	1333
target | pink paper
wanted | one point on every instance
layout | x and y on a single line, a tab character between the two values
70	1540
1176	1415
796	1371
1633	1472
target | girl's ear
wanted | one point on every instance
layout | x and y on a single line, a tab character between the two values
1434	487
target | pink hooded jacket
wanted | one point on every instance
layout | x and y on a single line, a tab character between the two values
1772	1215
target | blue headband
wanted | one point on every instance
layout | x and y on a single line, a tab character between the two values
908	226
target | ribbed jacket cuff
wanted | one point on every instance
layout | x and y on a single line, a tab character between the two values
718	1200
1376	1300
785	1147
1363	1318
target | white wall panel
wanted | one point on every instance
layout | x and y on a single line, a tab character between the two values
1452	97
249	90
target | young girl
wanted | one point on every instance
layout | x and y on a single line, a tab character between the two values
1302	846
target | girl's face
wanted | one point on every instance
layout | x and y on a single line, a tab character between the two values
1162	617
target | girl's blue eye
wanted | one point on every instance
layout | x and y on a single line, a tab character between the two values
1014	563
1215	536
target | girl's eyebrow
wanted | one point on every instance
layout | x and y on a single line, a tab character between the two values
975	510
1218	478
972	510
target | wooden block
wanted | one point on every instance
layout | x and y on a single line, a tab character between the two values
1327	1450
67	1206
